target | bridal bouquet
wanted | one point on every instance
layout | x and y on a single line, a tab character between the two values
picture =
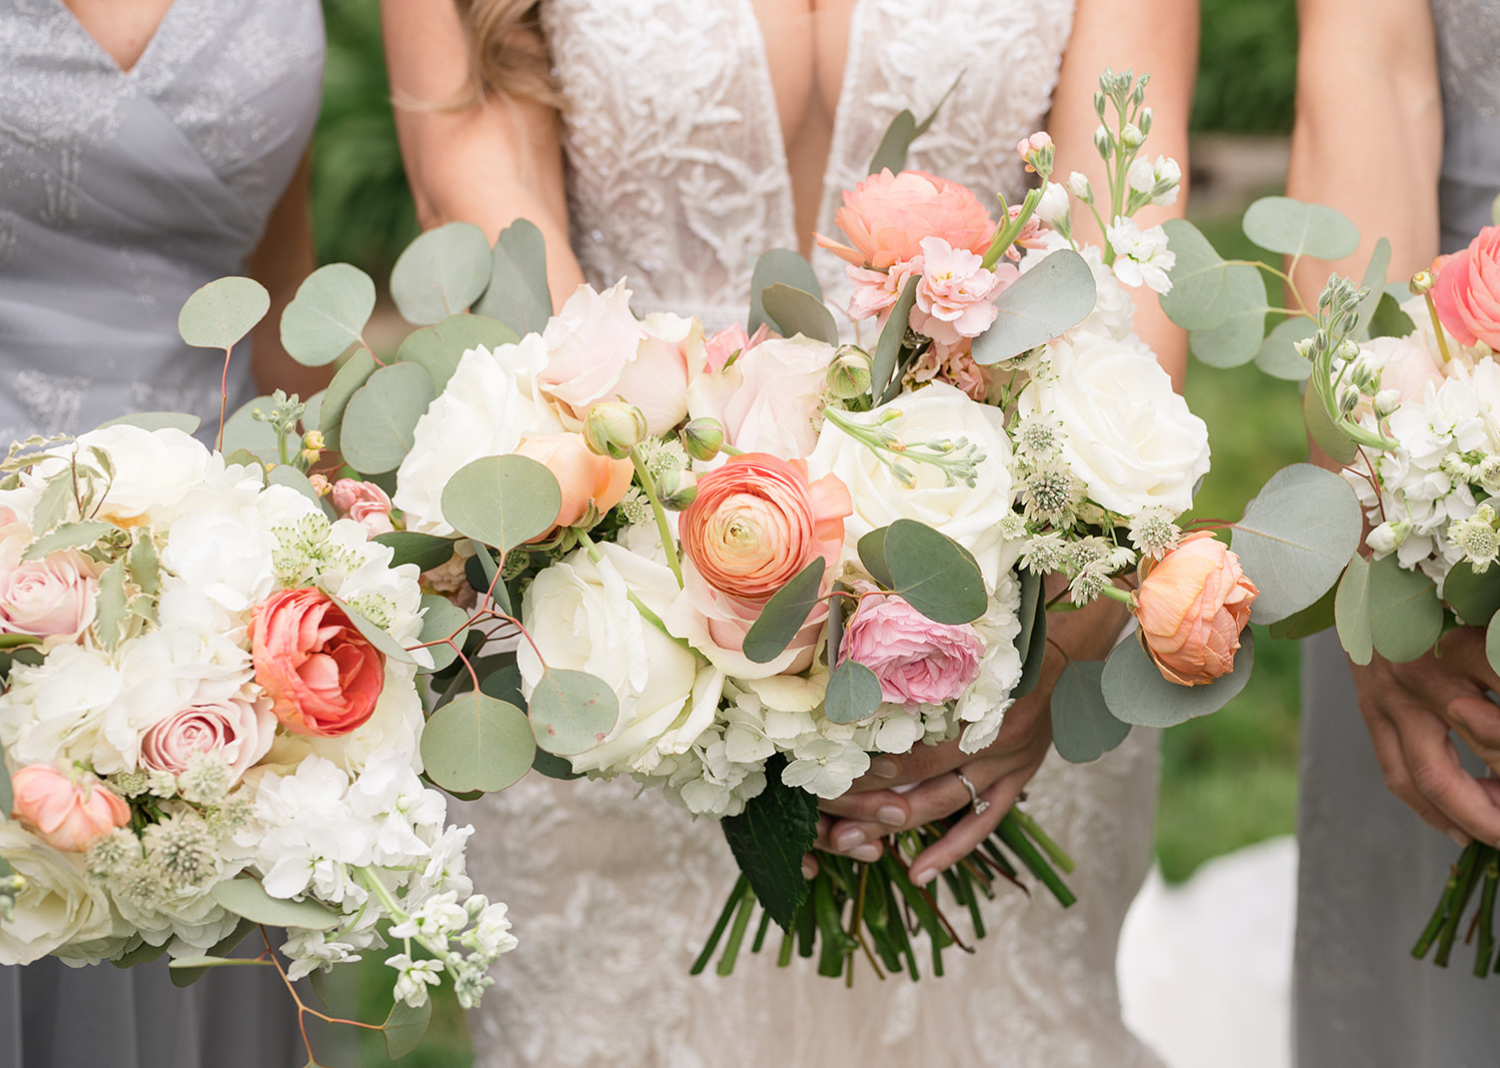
211	722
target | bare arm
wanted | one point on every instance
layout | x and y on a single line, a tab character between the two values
489	163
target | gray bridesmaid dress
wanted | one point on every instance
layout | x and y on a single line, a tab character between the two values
120	194
1371	871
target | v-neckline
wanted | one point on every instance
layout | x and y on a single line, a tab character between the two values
102	53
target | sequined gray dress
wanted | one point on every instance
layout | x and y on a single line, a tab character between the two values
1370	870
120	194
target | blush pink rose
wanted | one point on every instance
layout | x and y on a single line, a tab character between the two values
1405	365
917	661
322	675
49	598
581	475
731	343
1192	607
955	298
240	731
887	215
67	813
363	502
1467	291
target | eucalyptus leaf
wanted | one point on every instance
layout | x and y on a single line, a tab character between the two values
1137	693
894	146
1199	297
933	574
1322	429
1045	302
1316	617
1238	338
257	437
1293	228
1083	729
218	315
517	294
375	634
502	501
216	962
109	605
572	711
779	266
405	1027
554	767
871	549
379	425
853	693
1406	617
768	840
785	614
477	743
1474	596
312	410
1278	357
796	311
1295	538
409	547
188	424
1351	611
441	273
144	953
16	641
245	897
439	348
1492	644
68	536
329	314
346	381
888	348
1374	280
442	619
1389	320
184	977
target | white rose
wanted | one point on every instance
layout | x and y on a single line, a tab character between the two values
486	409
59	904
1129	436
970	516
580	616
782	393
223	556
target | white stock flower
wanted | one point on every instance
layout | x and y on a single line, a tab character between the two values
1053	208
416	977
1142	256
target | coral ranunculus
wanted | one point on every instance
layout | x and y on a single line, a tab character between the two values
887	215
1192	608
322	675
1467	291
67	813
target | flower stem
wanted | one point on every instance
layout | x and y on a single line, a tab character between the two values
1437	328
648	487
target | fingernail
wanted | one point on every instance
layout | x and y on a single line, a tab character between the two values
891	816
808	871
849	838
867	854
885	768
920	876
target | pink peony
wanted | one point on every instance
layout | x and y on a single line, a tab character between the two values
887	215
917	661
67	813
582	476
322	675
1467	291
240	731
50	598
363	502
956	294
1192	607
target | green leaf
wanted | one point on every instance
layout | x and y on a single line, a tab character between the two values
246	897
1316	617
7	792
1200	295
288	476
892	340
572	711
768	840
1036	643
439	348
349	378
1322	429
375	634
477	743
517	293
1277	356
243	431
1406	617
443	618
1351	611
1238	338
502	501
1492	645
188	424
853	693
1082	727
215	962
144	953
1374	280
1281	224
222	312
109	602
554	767
1389	320
1296	536
1048	300
796	311
891	155
328	314
425	550
242	458
405	1028
785	614
312	409
933	574
779	266
68	536
1136	691
1474	597
441	273
380	422
184	977
52	503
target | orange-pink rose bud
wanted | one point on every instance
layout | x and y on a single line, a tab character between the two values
1467	291
67	813
322	675
583	476
1192	607
887	215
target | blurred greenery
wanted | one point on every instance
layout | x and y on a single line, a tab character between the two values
1247	66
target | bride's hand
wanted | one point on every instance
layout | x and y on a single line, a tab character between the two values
1409	710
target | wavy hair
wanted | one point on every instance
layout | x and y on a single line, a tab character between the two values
507	51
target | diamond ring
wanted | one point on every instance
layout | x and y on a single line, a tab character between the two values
979	803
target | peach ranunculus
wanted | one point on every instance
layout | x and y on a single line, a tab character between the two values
323	676
581	475
1191	609
1467	291
49	598
240	731
67	813
363	502
887	215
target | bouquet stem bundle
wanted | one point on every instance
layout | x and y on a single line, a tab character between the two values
1477	868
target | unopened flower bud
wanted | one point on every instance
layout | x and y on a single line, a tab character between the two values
703	437
1104	142
677	489
1078	185
614	428
1386	402
849	373
1421	282
1144	119
1131	136
1099	99
1348	401
320	484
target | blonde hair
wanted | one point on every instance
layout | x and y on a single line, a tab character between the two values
507	52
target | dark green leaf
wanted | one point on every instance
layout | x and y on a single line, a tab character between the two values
517	294
572	711
1389	320
1281	224
1406	618
1474	597
144	953
503	501
425	550
477	743
188	424
891	155
1316	617
328	314
1136	691
346	382
441	273
1277	356
7	793
853	693
405	1028
554	767
1045	302
68	536
795	311
246	897
1351	611
892	339
768	840
1082	727
439	348
933	574
871	550
1036	646
218	315
379	425
783	266
785	614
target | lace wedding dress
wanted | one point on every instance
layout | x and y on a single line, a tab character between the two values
678	181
